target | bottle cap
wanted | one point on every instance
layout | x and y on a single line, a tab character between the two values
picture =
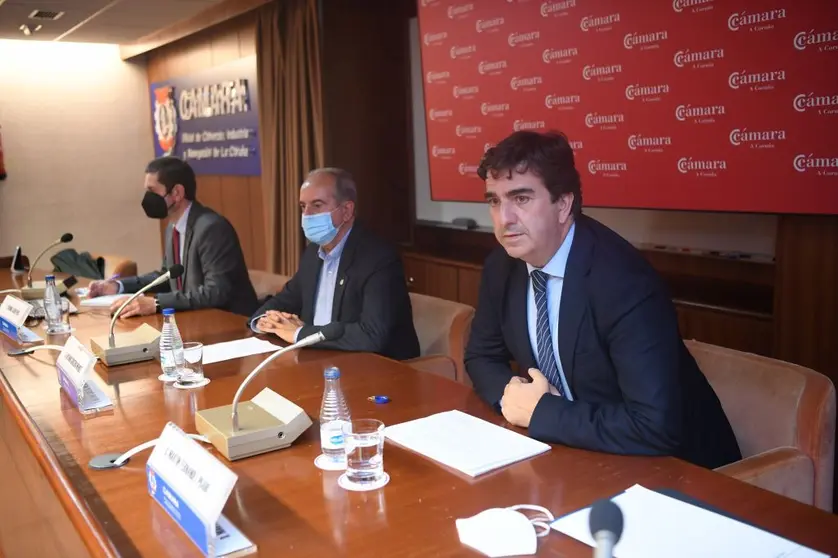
49	277
168	311
331	373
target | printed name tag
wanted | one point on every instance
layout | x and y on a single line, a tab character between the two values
74	365
13	314
190	483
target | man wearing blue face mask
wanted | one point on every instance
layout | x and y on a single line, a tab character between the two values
346	275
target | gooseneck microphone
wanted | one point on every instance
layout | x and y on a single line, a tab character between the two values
328	332
65	238
606	524
173	273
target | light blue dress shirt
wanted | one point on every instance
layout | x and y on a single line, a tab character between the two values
555	268
325	294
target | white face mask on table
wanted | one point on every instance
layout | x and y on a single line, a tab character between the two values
498	532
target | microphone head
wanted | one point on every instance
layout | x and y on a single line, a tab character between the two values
67	237
175	271
606	516
332	331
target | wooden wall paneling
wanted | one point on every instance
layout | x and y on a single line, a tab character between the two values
225	47
257	223
235	198
468	285
366	101
209	192
751	333
247	36
441	281
806	294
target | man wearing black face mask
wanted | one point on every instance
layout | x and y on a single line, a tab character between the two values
202	241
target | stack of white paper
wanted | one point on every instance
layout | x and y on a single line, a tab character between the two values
658	526
237	349
104	301
464	442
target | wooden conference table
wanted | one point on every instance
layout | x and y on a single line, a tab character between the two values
53	504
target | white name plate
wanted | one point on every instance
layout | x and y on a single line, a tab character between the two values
75	364
193	486
13	314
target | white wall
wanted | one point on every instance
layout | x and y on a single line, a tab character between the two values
750	233
76	138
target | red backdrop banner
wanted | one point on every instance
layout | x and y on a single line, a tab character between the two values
728	105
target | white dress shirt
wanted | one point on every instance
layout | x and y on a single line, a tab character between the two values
555	268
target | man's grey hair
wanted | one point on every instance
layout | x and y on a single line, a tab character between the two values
345	189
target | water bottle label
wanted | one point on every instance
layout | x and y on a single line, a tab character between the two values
331	435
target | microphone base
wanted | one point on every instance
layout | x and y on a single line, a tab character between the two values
36	291
140	345
268	422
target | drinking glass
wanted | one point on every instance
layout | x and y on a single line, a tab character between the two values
193	363
364	444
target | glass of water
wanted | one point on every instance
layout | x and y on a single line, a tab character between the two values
364	444
193	363
63	326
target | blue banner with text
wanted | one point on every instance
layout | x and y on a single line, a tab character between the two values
210	119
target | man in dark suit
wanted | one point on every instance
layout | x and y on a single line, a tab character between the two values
204	242
586	318
346	275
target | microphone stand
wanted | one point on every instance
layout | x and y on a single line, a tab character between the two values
162	279
305	342
34	263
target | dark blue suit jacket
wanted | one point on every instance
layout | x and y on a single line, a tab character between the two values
637	390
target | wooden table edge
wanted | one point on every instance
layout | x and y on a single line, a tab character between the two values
82	518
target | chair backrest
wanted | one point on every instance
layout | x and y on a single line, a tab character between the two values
117	265
443	327
267	284
771	403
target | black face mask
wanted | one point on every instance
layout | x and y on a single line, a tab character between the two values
155	205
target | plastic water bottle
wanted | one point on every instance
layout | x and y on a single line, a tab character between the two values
334	413
171	345
52	307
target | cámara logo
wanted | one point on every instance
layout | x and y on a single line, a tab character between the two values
528	125
827	104
756	140
806	39
433	77
606	168
462	52
434	38
465	169
523	39
459	11
698	58
646	93
706	169
694	6
489	25
599	23
468	131
649	144
561	102
494	108
466	91
759	21
604	121
525	84
700	114
646	41
443	152
440	114
559	55
601	73
491	67
826	166
556	9
758	81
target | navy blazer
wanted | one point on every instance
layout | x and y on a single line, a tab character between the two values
637	389
370	299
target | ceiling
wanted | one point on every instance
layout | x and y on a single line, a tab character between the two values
95	21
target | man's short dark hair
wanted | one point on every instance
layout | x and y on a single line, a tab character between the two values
548	156
171	171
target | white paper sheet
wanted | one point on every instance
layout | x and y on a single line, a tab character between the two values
104	301
463	442
659	526
237	349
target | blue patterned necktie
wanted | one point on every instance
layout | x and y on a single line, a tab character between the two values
544	338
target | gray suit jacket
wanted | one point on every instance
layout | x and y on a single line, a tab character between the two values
215	275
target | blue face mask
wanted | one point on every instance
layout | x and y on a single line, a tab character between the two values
319	228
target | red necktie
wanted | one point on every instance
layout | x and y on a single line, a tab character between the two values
176	253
